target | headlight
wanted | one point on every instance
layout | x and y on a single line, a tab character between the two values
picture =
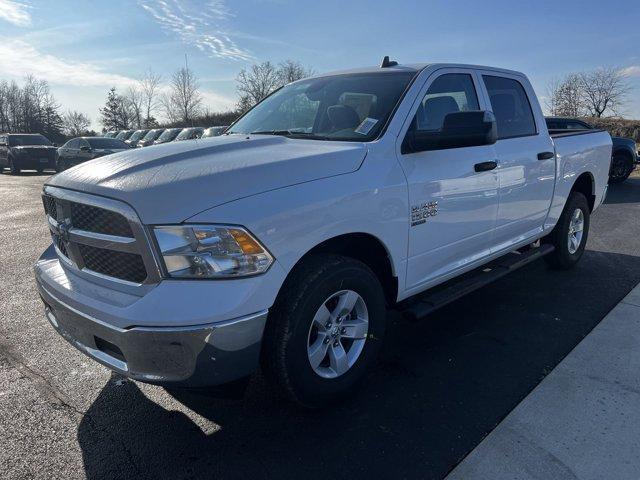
211	251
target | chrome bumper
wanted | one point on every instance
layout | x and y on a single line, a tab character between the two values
190	356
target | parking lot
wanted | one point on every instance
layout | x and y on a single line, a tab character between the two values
441	386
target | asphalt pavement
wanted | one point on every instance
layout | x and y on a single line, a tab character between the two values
441	385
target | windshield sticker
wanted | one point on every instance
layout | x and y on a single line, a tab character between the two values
365	127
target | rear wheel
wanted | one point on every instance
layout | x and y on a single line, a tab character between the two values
325	330
621	168
569	237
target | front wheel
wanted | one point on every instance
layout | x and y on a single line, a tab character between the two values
569	237
325	330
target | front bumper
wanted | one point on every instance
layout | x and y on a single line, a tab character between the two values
31	162
203	354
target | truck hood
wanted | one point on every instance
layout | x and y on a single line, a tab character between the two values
172	182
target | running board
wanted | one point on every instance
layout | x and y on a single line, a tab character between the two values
441	295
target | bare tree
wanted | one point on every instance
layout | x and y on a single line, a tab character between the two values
292	70
150	85
256	83
75	123
565	96
30	108
134	102
604	90
183	103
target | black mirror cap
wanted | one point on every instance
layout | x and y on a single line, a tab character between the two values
469	129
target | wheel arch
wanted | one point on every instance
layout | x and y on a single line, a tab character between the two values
585	184
364	247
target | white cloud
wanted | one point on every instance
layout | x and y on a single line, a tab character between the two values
201	29
15	12
18	57
632	71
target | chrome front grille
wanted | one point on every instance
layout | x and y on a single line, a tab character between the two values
99	237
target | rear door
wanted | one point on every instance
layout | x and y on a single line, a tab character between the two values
453	206
525	155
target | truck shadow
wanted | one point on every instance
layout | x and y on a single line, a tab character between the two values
626	192
441	385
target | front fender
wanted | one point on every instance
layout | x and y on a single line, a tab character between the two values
293	220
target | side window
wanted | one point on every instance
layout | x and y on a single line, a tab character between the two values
449	93
74	143
511	107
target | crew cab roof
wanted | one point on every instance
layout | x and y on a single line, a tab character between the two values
414	67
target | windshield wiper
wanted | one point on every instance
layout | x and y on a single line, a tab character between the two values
272	132
290	134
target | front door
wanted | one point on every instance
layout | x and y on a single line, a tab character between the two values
453	206
526	160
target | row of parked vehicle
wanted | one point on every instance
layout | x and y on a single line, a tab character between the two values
145	138
19	151
33	151
81	149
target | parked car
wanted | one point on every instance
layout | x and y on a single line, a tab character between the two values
190	133
26	151
624	156
110	134
138	135
124	134
150	137
214	131
81	149
169	135
284	244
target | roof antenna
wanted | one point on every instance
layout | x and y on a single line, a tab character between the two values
386	63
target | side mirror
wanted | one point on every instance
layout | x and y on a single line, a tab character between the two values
469	129
459	129
84	148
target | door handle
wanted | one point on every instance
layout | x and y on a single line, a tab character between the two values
485	166
546	155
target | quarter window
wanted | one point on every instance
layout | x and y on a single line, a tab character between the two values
510	106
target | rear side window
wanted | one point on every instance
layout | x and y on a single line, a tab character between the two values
510	106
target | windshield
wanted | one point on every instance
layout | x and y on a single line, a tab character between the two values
213	132
351	107
124	134
189	133
169	135
27	140
152	135
106	143
138	135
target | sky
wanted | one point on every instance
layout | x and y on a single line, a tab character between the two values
82	48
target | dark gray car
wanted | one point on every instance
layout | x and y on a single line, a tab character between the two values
26	151
81	149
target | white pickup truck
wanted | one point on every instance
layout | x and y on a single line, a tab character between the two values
281	243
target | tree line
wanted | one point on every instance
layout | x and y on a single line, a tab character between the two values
181	102
598	93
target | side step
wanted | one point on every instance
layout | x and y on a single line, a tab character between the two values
441	295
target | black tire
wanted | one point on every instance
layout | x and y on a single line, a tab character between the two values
13	168
285	360
562	258
621	168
